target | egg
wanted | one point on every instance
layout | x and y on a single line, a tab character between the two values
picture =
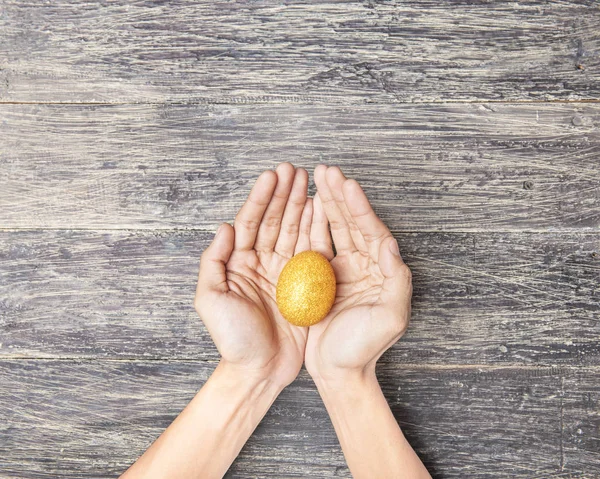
306	289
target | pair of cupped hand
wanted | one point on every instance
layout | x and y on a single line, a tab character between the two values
239	270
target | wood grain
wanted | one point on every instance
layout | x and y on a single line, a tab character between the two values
332	51
130	130
92	419
581	419
496	298
460	167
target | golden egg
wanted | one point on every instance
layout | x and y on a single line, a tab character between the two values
306	289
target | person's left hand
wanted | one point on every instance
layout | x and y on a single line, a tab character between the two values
372	306
238	276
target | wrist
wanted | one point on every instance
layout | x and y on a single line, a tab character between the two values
345	379
248	381
221	417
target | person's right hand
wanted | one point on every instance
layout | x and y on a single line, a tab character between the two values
372	305
238	276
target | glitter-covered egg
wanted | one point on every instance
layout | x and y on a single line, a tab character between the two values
306	289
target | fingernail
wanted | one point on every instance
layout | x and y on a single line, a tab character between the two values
394	247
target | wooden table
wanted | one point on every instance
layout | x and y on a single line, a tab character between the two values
130	129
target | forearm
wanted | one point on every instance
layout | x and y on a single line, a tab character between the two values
371	439
209	433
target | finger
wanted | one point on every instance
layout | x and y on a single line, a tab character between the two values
303	243
373	230
248	219
335	179
290	224
339	228
212	276
268	231
320	239
397	283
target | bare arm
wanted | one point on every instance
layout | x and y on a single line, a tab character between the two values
261	352
371	313
210	432
371	439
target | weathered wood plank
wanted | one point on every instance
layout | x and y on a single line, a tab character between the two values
93	418
581	421
410	51
441	167
495	412
497	298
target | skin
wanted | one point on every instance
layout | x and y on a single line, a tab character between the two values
238	277
371	312
261	353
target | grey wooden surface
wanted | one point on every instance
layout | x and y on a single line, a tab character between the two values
464	422
427	167
329	51
479	298
130	130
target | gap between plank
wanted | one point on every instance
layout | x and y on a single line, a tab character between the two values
584	231
297	101
557	369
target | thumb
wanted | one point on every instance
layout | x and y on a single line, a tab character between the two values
397	283
212	274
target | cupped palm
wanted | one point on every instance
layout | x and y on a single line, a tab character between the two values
372	306
239	271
